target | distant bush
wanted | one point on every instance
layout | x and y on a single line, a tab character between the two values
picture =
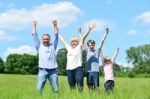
1	65
121	74
21	64
145	75
131	75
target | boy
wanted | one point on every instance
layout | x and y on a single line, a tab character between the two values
92	61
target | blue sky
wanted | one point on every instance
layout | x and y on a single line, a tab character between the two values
128	20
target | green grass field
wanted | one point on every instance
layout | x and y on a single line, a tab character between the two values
23	87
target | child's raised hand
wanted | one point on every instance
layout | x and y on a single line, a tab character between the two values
118	49
79	30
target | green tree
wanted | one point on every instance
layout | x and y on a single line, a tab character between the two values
101	73
140	58
28	64
116	67
21	64
11	63
84	55
62	61
1	65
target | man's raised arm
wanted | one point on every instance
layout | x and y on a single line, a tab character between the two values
34	34
56	33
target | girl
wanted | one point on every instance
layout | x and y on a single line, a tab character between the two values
108	71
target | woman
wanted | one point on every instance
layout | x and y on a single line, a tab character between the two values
74	60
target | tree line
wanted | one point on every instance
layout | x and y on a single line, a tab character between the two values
28	64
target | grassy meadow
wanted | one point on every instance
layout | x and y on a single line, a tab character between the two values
23	87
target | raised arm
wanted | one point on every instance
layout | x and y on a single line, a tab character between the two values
115	55
66	45
80	33
90	27
34	34
102	56
81	36
55	26
56	33
34	24
103	38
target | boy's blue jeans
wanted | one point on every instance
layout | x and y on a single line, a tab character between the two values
51	75
93	79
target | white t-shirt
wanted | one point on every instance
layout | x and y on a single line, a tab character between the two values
74	55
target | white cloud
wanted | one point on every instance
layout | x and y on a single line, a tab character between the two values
125	64
143	18
101	24
132	32
24	49
17	19
5	36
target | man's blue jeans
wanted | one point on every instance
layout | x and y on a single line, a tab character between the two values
51	75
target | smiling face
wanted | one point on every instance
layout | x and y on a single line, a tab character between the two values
107	60
46	39
91	44
74	42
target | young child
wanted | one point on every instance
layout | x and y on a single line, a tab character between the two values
47	58
108	71
92	61
74	60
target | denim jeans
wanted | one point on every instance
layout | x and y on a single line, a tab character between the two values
75	76
93	79
109	85
51	75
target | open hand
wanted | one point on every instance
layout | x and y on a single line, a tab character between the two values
91	26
